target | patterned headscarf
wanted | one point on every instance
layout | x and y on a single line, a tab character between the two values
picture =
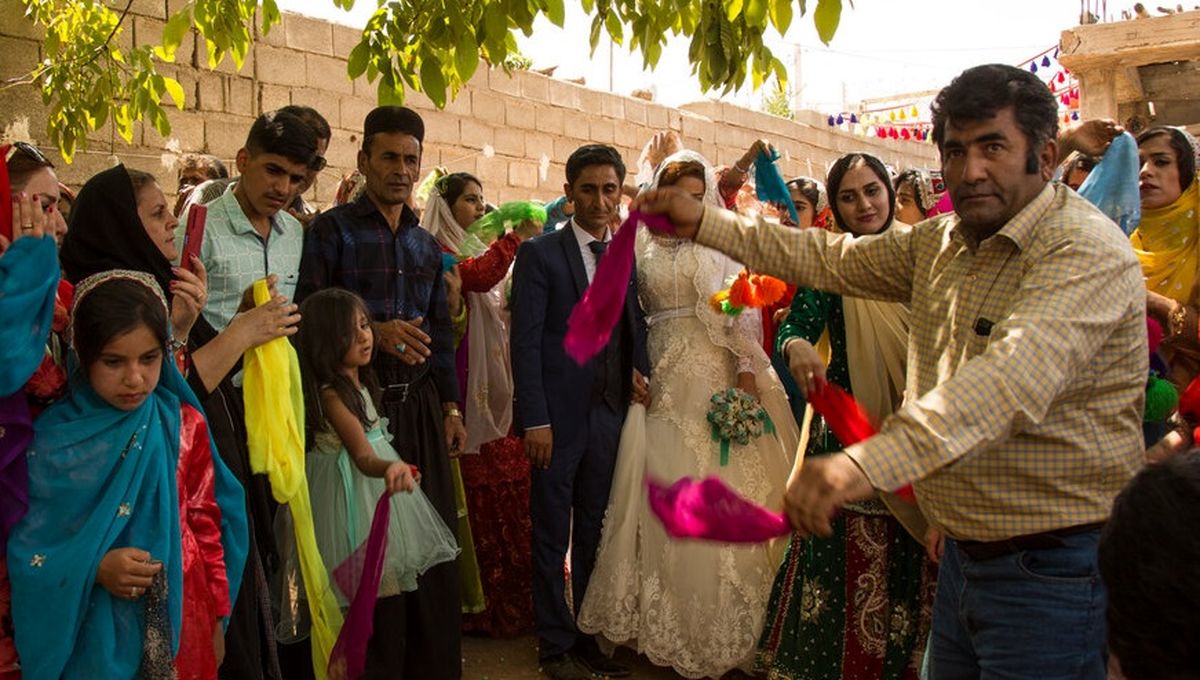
928	187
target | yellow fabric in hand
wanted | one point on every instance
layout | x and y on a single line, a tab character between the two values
275	434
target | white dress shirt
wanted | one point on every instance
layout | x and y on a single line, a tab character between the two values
589	258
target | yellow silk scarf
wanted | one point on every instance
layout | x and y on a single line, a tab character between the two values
275	427
1168	244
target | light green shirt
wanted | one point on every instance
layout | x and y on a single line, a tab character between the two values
236	256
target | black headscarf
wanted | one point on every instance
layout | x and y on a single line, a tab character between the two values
106	233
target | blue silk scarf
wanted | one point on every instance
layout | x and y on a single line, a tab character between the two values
99	479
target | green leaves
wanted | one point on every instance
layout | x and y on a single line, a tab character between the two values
827	17
87	79
173	33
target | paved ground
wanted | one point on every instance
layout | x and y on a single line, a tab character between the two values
487	659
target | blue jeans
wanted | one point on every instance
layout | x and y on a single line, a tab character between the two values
1031	614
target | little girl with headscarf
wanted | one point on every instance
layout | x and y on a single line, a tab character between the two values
135	539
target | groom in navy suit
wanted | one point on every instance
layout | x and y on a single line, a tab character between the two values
571	414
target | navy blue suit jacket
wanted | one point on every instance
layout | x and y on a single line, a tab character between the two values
550	388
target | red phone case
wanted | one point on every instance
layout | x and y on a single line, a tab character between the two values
193	236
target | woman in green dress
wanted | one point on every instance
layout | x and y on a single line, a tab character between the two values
857	604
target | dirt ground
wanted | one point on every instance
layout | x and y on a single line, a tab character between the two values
516	659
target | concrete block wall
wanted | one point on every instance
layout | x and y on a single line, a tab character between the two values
527	122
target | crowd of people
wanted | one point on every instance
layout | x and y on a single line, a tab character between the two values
1021	512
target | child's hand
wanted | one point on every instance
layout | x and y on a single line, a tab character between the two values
399	477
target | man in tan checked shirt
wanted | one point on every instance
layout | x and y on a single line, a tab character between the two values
1028	361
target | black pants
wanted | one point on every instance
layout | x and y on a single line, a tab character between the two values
567	504
418	635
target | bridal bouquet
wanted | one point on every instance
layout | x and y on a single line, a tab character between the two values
736	416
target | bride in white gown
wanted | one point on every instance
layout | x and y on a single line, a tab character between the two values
695	606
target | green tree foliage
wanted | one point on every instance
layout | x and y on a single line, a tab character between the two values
778	102
431	46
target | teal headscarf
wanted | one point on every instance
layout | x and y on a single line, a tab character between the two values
28	281
99	479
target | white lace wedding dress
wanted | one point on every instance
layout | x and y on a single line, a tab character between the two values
695	606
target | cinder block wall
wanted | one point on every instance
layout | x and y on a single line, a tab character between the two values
532	122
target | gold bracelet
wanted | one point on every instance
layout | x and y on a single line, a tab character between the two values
1177	318
452	413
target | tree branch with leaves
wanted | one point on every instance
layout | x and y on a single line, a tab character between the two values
432	46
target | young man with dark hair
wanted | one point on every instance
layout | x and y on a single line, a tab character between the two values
299	208
1148	556
206	192
571	414
375	248
248	235
1027	370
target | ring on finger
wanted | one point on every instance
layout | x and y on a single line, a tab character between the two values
401	347
27	227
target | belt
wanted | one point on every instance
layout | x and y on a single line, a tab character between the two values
400	391
981	551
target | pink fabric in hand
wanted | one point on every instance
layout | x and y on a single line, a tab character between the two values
596	314
360	574
709	509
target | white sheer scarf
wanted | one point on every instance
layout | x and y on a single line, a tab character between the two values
489	394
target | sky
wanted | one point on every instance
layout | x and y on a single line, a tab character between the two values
882	48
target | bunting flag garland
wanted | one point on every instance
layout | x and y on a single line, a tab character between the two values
903	121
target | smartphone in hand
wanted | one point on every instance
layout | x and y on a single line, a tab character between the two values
193	236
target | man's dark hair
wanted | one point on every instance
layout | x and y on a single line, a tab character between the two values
1080	161
391	119
312	118
212	166
594	154
1185	155
837	172
282	133
980	93
1149	552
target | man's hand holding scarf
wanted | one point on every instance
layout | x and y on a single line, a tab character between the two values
677	205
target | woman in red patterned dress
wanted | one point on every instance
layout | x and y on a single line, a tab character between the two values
495	470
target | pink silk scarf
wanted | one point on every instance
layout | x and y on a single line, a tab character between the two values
596	314
360	574
708	509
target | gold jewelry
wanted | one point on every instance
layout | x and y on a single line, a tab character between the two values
1177	318
453	413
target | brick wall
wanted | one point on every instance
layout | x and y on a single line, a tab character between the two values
532	122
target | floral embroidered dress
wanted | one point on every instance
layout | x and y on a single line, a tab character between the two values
857	604
694	606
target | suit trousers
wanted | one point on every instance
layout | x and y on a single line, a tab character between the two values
567	504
